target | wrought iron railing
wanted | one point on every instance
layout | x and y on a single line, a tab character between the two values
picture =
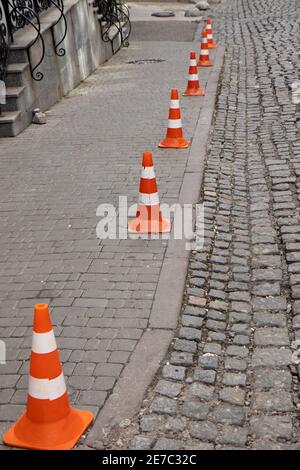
4	41
114	22
4	44
18	14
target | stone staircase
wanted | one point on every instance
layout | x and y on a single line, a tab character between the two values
16	114
85	51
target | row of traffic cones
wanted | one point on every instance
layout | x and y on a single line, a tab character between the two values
148	217
207	42
49	422
174	137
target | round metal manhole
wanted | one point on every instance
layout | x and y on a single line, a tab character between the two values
145	61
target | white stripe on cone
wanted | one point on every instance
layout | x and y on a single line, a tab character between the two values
204	52
149	199
148	173
209	36
174	123
47	389
193	63
193	78
43	343
174	104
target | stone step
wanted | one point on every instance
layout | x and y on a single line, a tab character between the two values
15	99
25	37
113	30
11	124
114	35
14	74
17	54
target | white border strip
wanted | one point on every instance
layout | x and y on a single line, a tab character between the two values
47	389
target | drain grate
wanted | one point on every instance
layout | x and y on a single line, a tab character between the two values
145	61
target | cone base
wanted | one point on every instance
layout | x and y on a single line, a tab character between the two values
175	143
59	435
206	63
149	226
191	92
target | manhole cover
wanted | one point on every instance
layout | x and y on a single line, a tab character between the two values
145	61
163	14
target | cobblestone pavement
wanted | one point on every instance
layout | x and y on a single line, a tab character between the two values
52	179
231	378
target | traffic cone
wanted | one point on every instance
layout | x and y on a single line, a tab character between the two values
49	422
193	86
174	137
210	38
204	60
148	218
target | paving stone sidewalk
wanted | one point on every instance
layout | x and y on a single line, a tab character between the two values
52	179
231	377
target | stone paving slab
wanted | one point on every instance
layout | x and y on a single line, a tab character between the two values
53	178
164	30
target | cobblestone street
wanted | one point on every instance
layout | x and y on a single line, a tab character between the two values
230	379
227	375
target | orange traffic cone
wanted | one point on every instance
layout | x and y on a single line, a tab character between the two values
174	137
193	86
49	422
210	38
204	60
148	217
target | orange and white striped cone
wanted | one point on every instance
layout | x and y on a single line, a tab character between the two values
193	87
204	60
148	218
210	39
49	422
174	137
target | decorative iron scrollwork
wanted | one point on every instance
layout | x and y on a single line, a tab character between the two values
59	4
21	14
4	40
114	20
18	14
